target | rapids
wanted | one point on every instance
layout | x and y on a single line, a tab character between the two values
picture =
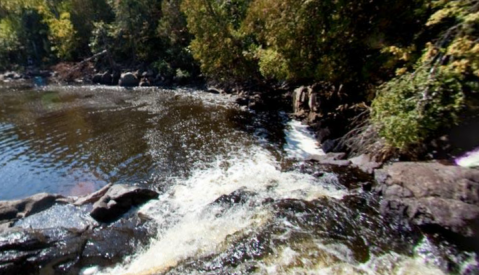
236	196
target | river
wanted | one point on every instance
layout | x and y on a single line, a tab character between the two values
236	196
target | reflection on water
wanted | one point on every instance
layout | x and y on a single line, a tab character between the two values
74	140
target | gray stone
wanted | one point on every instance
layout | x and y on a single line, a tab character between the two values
431	194
365	163
96	79
106	79
94	197
129	80
336	159
118	200
10	210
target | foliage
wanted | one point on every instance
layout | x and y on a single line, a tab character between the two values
407	117
334	41
219	45
415	106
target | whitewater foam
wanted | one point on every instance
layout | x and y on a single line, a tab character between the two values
471	159
300	142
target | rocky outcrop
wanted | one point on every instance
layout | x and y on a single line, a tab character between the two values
129	80
118	200
365	163
336	159
431	194
51	234
326	109
11	210
62	250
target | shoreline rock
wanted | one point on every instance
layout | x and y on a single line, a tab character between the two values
431	195
57	235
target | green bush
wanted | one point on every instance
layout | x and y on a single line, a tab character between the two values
411	108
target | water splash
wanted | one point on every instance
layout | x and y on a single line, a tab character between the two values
300	142
470	159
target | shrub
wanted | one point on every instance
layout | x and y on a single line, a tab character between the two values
411	108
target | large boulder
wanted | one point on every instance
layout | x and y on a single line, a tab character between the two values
431	195
118	200
129	80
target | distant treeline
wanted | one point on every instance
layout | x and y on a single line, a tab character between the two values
415	61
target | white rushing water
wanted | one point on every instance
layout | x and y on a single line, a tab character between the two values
191	225
300	142
471	159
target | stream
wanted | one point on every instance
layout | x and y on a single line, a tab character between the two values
236	194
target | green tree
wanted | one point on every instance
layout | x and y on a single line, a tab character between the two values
219	44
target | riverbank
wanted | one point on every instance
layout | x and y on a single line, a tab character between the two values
338	161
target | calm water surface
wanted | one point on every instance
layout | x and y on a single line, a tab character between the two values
72	140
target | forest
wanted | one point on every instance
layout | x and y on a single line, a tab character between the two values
413	63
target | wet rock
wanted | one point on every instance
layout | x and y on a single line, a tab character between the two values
59	216
323	134
118	200
336	159
365	163
96	79
301	99
431	194
63	239
257	103
242	101
145	82
128	80
94	197
106	79
214	90
22	208
237	197
117	240
29	251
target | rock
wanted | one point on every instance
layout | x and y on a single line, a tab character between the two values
59	216
117	240
242	101
145	82
118	200
10	210
431	194
26	251
94	197
323	134
329	145
331	159
256	103
365	163
214	90
115	77
240	196
96	79
128	80
106	79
